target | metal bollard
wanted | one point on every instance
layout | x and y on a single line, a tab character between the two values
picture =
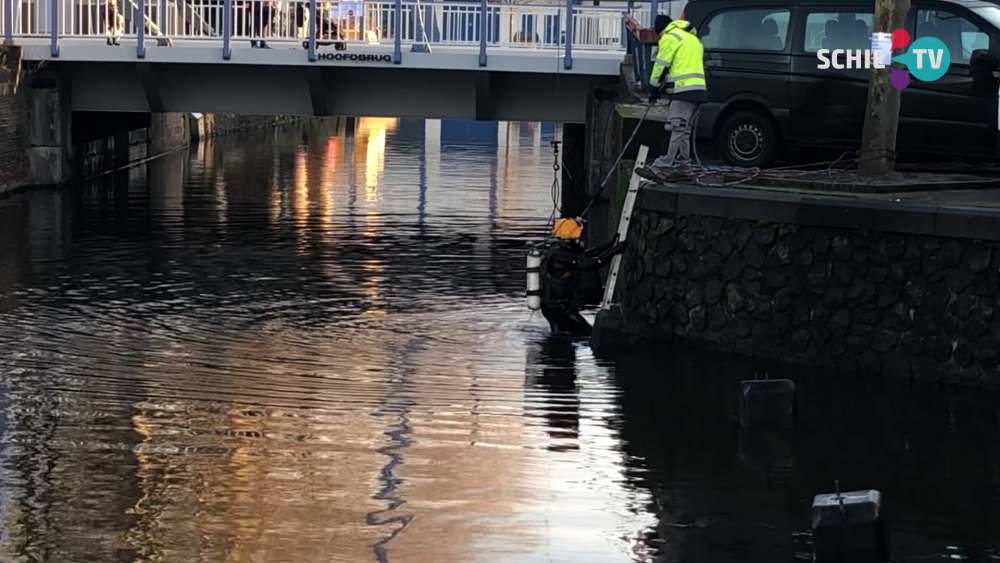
850	528
767	404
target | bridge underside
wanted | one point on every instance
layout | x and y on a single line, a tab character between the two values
323	91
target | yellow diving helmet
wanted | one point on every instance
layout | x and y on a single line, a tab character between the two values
567	229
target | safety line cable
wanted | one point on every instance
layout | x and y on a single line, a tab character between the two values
703	172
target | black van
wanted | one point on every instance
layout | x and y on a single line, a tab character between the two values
766	93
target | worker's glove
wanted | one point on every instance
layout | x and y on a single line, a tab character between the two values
618	248
654	93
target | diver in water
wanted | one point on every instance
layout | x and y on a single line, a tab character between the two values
561	276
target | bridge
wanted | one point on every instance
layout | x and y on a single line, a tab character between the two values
470	60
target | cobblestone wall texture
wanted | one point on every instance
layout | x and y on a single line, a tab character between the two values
214	125
855	301
13	120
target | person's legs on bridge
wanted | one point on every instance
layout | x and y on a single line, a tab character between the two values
260	23
114	22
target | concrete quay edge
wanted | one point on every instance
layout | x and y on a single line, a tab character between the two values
824	210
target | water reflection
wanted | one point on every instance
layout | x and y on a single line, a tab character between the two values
556	356
723	494
311	345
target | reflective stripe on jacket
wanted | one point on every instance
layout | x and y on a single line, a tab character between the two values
681	55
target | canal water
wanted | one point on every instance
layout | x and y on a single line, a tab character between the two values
312	345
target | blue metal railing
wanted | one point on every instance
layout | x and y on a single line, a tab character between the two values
227	30
8	18
397	33
140	19
55	28
570	26
483	26
642	56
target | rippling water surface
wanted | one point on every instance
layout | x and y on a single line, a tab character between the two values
311	345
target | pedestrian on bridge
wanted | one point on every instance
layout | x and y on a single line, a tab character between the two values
260	13
679	70
114	22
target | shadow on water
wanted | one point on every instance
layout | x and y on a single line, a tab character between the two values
724	494
552	370
311	345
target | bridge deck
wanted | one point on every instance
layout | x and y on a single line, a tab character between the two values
408	59
285	53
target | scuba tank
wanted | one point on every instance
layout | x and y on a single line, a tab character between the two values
534	289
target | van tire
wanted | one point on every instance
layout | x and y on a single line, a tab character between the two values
748	139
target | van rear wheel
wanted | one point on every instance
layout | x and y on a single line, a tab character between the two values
748	139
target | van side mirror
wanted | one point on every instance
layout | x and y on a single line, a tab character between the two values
984	59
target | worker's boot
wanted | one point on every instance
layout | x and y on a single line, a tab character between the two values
647	173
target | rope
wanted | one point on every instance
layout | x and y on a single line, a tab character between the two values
702	172
614	167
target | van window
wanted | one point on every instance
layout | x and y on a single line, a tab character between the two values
960	35
846	30
755	30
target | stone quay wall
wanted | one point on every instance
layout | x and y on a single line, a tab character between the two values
205	126
13	120
861	287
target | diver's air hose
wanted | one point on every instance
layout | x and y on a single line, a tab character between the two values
614	167
628	143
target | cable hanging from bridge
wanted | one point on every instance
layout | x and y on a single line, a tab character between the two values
556	168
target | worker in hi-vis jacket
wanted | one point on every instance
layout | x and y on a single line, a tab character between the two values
678	70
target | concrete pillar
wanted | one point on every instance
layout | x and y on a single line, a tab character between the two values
122	147
574	169
167	132
50	148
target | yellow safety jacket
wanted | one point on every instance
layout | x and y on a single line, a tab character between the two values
681	55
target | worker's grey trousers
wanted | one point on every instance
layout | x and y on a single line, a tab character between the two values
680	117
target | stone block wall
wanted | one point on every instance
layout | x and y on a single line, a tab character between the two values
121	149
204	126
853	300
13	120
167	132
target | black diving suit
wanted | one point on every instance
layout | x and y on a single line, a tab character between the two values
563	265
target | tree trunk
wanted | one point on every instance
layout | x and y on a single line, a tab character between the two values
878	141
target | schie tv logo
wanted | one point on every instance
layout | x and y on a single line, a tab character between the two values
928	58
